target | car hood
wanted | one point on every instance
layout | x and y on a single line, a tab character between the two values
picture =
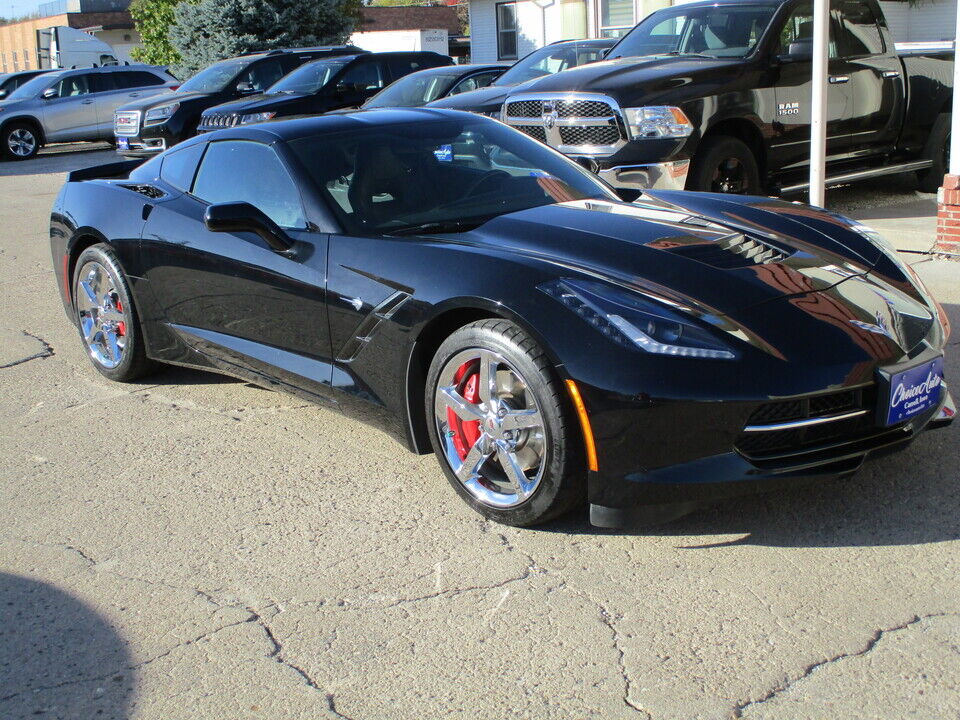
257	103
162	99
630	79
742	263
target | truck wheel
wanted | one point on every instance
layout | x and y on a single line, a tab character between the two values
724	164
20	141
938	150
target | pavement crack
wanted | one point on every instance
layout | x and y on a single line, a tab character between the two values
610	621
45	352
789	683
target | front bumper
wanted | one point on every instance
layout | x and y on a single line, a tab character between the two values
650	496
670	175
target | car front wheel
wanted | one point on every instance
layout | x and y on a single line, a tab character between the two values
20	141
501	426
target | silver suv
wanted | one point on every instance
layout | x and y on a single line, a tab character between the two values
69	105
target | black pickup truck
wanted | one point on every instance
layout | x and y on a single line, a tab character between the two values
715	96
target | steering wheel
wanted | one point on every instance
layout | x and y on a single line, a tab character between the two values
489	175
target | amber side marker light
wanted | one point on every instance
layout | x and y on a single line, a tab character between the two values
584	424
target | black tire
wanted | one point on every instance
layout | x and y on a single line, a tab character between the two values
938	150
561	480
20	141
724	164
133	361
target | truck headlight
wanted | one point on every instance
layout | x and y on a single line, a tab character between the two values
256	117
658	121
160	114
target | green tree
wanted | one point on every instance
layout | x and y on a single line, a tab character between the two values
210	30
153	19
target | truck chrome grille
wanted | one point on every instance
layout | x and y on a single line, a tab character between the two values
573	124
126	123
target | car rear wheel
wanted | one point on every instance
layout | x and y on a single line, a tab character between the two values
501	427
938	151
20	141
106	316
724	164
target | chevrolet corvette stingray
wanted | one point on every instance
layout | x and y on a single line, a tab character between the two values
501	307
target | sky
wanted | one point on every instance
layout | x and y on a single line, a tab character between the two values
16	8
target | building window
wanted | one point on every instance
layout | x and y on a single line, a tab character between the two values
4	56
26	60
616	18
507	31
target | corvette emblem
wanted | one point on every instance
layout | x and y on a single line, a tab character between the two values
549	114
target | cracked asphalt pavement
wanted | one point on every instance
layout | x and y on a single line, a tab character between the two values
195	547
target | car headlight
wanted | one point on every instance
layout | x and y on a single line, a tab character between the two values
635	321
658	121
256	117
160	114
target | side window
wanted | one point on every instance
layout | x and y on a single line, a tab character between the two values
796	37
263	74
179	166
73	86
243	171
364	75
860	36
135	78
474	82
400	66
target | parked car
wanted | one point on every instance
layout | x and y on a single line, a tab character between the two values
716	96
425	86
11	81
146	127
497	304
322	86
70	105
547	60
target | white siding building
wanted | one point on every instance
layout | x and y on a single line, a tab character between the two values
508	30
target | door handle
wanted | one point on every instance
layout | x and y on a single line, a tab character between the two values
86	102
136	94
839	79
891	74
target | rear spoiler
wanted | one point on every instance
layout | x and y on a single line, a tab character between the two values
117	170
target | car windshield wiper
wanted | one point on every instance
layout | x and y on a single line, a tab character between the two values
677	53
445	226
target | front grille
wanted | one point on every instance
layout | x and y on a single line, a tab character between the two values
126	123
537	132
590	135
525	108
581	125
731	252
766	443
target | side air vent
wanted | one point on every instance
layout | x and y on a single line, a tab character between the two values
732	251
148	190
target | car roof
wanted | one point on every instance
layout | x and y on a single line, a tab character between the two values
593	42
459	69
712	3
301	127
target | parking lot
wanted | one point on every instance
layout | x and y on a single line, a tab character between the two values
196	547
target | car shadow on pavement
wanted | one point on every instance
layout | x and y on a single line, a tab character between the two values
58	657
61	159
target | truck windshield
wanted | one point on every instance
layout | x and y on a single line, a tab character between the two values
308	78
715	31
215	78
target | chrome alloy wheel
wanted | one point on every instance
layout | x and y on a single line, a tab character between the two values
100	313
490	427
21	142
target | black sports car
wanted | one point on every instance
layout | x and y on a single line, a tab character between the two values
504	309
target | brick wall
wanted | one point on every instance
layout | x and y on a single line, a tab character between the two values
948	216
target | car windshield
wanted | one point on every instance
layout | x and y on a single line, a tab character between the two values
308	78
714	31
413	90
33	87
549	60
447	175
216	77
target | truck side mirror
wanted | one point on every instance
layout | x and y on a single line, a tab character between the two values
799	51
245	88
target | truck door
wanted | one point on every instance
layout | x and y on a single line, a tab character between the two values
875	79
790	146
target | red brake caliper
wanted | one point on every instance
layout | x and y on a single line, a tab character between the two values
121	326
465	432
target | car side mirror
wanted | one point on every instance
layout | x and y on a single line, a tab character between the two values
49	93
801	51
3	94
244	217
245	88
